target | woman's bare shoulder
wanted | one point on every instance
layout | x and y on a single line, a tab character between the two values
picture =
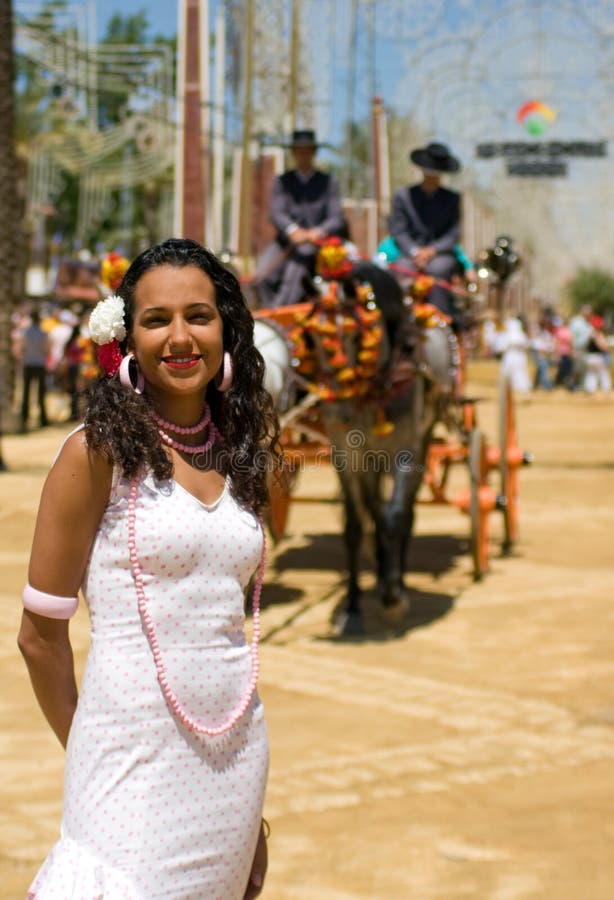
77	463
72	504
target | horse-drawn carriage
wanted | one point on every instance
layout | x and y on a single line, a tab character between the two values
371	380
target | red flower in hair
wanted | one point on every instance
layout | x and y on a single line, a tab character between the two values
110	357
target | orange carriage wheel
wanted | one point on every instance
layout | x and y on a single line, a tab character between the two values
469	417
481	503
280	494
437	469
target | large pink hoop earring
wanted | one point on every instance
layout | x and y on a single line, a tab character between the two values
124	374
227	374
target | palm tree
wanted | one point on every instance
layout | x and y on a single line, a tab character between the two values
11	247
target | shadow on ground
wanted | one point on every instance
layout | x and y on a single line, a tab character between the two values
430	554
320	552
379	624
433	554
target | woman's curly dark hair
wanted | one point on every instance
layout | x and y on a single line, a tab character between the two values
118	423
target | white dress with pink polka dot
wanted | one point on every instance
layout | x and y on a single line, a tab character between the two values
151	808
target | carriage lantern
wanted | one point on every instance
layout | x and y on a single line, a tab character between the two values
501	259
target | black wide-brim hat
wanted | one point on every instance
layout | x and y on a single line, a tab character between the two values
305	137
436	158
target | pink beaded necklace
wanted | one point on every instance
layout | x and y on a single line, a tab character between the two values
205	423
189	448
184	429
169	695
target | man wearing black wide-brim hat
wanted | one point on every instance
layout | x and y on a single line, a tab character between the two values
305	207
425	222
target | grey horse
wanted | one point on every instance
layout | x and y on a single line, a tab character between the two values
380	474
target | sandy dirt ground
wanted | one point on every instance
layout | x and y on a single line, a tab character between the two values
467	753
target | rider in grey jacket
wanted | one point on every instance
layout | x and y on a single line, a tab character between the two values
425	222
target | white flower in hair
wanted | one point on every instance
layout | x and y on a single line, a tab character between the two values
107	320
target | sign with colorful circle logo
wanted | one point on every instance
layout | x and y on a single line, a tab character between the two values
535	116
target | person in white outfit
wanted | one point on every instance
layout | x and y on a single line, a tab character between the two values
514	360
153	509
59	335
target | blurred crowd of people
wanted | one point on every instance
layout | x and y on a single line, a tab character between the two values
572	353
53	356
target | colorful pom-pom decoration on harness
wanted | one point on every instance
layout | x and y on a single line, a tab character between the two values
333	259
112	269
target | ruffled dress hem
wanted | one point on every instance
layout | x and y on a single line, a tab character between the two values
71	871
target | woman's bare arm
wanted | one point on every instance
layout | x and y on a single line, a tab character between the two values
74	497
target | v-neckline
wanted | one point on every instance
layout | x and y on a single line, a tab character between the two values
208	506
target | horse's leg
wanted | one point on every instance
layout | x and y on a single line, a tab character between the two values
413	487
352	533
395	526
372	500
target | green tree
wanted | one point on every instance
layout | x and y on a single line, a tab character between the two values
42	99
131	218
353	168
114	102
353	165
593	287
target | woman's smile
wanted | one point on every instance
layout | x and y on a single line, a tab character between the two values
182	362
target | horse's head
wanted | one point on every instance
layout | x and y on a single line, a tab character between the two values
340	340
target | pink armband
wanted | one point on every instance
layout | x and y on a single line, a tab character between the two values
49	605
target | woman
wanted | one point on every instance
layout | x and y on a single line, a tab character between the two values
598	361
71	363
153	510
514	362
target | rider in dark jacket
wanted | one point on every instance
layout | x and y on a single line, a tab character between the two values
305	207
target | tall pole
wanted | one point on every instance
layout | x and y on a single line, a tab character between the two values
381	165
91	76
295	52
351	91
192	153
245	230
217	187
180	116
204	102
371	81
372	44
